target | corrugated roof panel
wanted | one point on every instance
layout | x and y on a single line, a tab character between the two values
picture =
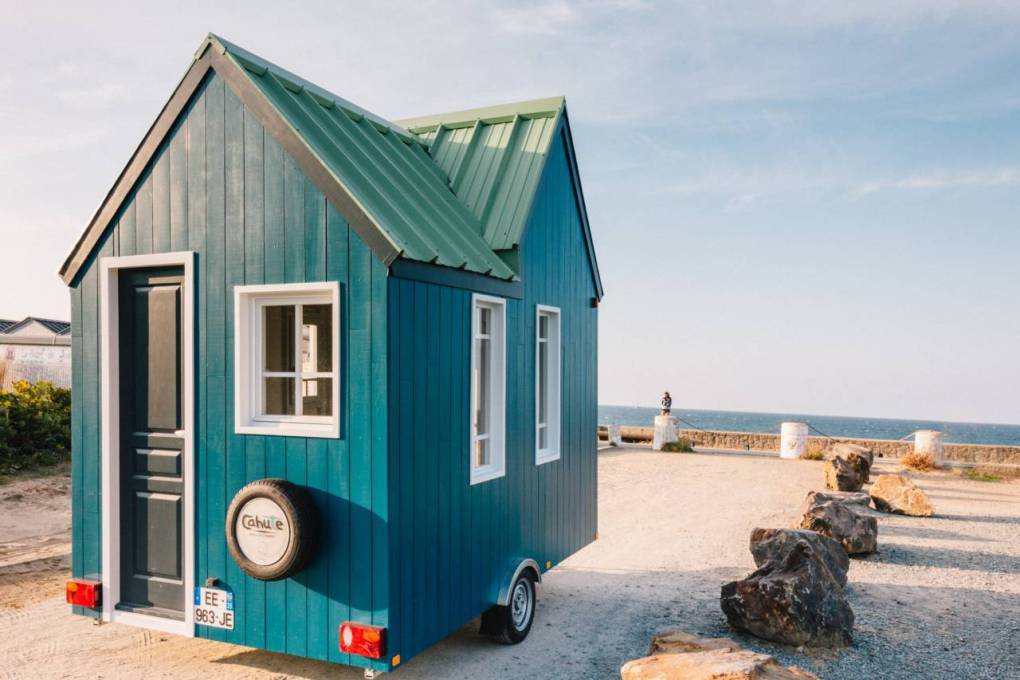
493	159
386	170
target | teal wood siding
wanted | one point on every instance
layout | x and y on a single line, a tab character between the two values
453	545
222	187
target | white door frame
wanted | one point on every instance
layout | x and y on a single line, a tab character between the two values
109	340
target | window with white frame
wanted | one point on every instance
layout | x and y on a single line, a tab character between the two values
287	359
488	388
547	384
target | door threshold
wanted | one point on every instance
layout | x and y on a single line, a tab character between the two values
146	617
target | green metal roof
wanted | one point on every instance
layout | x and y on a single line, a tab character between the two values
493	159
387	170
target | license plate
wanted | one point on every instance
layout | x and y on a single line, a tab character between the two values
214	608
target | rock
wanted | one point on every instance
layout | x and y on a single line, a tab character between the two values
842	475
857	533
795	601
845	449
682	656
860	457
814	498
896	493
776	544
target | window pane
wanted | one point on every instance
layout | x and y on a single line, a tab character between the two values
543	326
543	437
484	320
317	397
279	399
543	382
481	381
482	452
278	338
317	338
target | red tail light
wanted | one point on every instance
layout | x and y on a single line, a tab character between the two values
84	593
362	639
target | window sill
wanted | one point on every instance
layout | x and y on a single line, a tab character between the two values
480	475
283	429
543	457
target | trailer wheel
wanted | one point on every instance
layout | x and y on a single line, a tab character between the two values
271	529
510	624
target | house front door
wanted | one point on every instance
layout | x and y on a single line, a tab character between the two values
152	484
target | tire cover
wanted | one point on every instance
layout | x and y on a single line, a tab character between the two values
271	529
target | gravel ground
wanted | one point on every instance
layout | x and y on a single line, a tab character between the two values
941	599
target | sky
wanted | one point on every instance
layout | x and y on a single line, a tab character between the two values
806	207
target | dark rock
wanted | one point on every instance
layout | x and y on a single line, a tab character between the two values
795	601
842	475
861	457
775	544
813	498
857	533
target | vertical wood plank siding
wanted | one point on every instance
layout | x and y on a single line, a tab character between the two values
454	545
224	188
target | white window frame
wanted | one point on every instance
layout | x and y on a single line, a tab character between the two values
248	366
497	390
554	397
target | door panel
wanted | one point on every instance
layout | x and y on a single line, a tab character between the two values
152	483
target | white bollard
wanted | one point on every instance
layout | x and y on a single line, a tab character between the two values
929	443
665	432
793	440
614	435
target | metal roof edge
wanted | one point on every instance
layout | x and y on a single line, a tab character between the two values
549	106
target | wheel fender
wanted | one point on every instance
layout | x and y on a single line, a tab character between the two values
504	592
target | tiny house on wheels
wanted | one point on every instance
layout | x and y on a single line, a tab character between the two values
334	377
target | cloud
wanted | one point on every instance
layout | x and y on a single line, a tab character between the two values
987	178
94	98
537	19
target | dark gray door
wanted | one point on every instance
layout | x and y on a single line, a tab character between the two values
151	443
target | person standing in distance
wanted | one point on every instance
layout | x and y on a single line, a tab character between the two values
666	403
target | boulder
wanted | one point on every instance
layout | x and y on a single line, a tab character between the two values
814	498
846	449
857	533
776	544
842	475
682	656
896	493
795	601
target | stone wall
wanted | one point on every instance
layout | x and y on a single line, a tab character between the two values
883	448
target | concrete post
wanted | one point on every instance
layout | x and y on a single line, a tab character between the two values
929	443
665	432
793	440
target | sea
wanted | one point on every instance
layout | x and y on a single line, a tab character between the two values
834	426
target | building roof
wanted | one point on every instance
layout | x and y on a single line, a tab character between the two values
52	325
453	189
493	159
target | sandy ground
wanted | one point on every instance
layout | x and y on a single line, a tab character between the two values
941	599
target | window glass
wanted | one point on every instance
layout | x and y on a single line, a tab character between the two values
543	382
547	385
316	338
317	396
279	396
278	338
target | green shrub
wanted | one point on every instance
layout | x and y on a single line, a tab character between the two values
35	426
682	445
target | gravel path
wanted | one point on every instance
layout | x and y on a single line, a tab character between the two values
941	599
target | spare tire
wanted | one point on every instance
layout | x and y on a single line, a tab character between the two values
271	529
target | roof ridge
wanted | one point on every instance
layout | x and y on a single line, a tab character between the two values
534	108
255	63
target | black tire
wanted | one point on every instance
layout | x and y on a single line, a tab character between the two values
511	624
300	516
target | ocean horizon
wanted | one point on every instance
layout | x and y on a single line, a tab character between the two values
835	426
